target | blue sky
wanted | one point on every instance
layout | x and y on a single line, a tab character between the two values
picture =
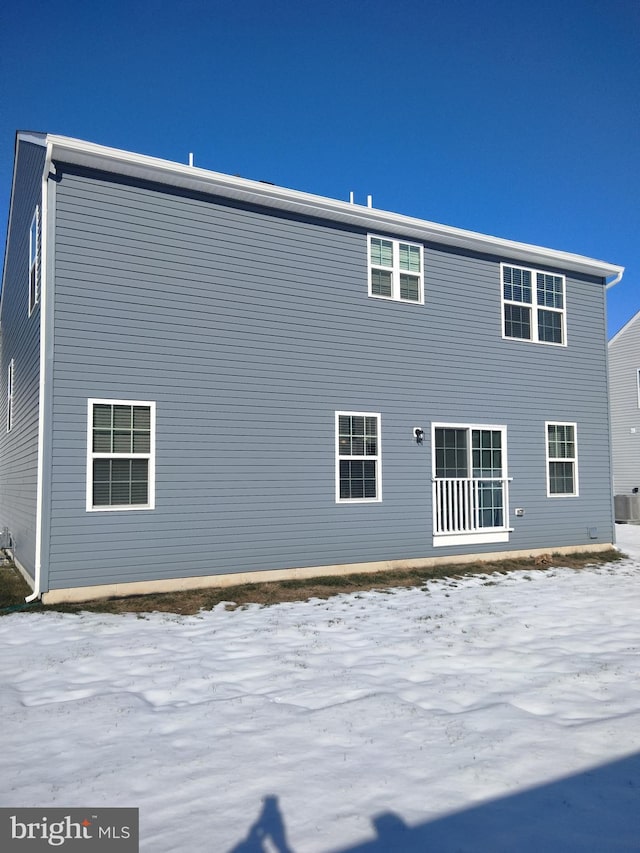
516	119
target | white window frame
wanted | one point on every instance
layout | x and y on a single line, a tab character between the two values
477	536
10	381
533	306
574	459
357	458
151	456
34	252
638	385
395	270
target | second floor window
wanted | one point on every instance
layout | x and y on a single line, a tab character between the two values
395	270
533	305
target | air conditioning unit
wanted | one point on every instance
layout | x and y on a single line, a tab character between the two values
627	509
5	538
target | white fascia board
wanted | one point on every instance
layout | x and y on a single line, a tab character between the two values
143	167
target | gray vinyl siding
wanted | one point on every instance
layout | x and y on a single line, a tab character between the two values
21	342
249	329
624	363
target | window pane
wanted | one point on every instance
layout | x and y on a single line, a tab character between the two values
142	417
517	322
550	290
380	283
122	442
101	441
120	470
487	453
381	252
139	493
561	478
409	287
139	469
121	493
409	258
451	452
561	441
141	442
102	417
357	445
517	284
122	417
549	326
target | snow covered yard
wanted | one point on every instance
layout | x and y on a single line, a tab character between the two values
481	715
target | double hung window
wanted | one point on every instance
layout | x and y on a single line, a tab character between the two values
121	455
533	305
395	270
357	457
562	460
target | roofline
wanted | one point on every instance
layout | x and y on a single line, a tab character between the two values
624	328
142	166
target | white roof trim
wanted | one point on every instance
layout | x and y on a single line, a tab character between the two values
143	167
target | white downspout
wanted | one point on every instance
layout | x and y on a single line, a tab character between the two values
44	224
616	280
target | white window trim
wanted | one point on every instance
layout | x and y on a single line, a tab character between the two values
638	385
377	459
574	459
533	305
151	456
395	270
34	252
10	387
477	537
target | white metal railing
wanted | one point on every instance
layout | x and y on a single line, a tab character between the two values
468	505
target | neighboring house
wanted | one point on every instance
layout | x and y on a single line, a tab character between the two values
210	379
624	394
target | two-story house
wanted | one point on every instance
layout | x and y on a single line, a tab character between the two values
210	380
624	381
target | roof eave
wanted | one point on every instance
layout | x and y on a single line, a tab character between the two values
141	166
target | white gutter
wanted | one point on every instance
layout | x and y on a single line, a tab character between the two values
144	167
44	220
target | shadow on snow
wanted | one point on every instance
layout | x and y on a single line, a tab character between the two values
597	811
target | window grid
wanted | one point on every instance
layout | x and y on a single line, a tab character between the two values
533	313
34	258
357	457
395	270
121	455
562	460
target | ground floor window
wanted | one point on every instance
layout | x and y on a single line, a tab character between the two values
121	455
562	460
357	457
470	483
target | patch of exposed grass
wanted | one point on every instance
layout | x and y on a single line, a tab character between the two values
13	588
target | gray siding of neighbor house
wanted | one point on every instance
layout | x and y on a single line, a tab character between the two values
21	342
624	363
250	328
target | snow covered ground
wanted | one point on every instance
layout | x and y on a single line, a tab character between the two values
481	715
